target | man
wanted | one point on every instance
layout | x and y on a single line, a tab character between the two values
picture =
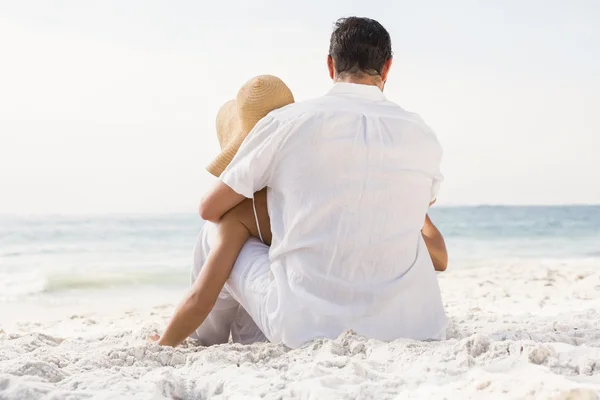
349	179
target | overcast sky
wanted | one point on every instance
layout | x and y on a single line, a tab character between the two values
109	106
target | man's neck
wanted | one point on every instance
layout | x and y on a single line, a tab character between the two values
362	80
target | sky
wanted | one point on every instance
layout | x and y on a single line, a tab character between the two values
109	106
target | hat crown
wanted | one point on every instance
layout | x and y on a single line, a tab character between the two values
258	97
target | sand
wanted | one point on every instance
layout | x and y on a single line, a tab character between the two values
518	331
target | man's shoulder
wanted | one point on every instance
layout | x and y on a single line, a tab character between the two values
410	117
300	108
315	107
397	112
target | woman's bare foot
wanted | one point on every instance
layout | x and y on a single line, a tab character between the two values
153	338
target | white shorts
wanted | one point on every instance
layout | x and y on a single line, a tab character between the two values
240	309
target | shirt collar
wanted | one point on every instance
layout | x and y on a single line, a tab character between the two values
347	89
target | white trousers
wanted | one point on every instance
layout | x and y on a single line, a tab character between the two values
240	308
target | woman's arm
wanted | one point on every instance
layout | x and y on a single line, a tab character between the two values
435	245
220	199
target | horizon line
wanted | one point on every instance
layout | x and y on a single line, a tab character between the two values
142	213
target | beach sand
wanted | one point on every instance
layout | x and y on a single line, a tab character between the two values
517	332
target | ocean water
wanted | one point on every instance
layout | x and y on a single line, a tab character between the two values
46	256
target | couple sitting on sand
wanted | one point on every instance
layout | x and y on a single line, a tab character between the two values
318	223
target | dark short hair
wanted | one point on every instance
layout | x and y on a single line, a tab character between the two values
359	46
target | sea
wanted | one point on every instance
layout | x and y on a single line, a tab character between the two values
44	258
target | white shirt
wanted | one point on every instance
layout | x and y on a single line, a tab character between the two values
350	176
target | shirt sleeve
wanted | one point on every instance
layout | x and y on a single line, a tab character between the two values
435	188
438	177
436	154
252	166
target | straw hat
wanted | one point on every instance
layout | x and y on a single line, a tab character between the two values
236	118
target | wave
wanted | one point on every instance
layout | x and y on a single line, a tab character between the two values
60	283
17	285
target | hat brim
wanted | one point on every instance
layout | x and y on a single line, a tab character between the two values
255	99
223	159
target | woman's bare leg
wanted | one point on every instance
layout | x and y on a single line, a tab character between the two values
234	229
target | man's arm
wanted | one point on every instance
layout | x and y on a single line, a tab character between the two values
220	199
435	245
